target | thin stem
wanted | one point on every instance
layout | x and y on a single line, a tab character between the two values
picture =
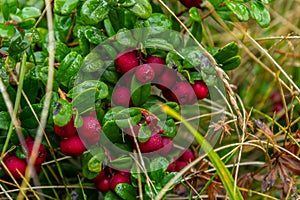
17	103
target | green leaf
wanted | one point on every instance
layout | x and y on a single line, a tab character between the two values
92	62
94	35
169	127
87	93
125	37
7	31
4	120
266	1
61	50
158	166
231	63
139	92
19	44
192	54
159	23
126	191
128	3
62	112
27	23
168	177
85	158
228	51
239	9
158	43
142	9
95	163
27	117
94	11
141	30
194	14
196	30
128	117
144	133
111	196
30	12
109	27
65	7
9	7
124	162
111	75
260	13
112	131
69	68
110	114
100	89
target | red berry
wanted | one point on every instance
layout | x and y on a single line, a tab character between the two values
103	182
121	96
99	176
191	3
169	95
200	89
155	59
187	156
144	73
157	64
15	164
42	152
72	146
118	178
180	165
126	61
171	167
167	79
65	131
135	130
154	143
167	146
90	130
276	97
184	93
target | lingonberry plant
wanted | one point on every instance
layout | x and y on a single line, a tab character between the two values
142	99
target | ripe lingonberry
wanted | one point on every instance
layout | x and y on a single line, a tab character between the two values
200	89
72	146
126	61
15	165
144	73
66	131
118	178
121	96
90	130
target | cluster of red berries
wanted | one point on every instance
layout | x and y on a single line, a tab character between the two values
186	157
17	166
157	141
74	141
154	71
108	179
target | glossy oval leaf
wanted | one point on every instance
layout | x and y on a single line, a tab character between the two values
260	13
65	7
7	31
94	11
126	191
142	9
62	112
239	9
159	23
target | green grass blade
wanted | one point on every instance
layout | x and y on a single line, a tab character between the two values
225	176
